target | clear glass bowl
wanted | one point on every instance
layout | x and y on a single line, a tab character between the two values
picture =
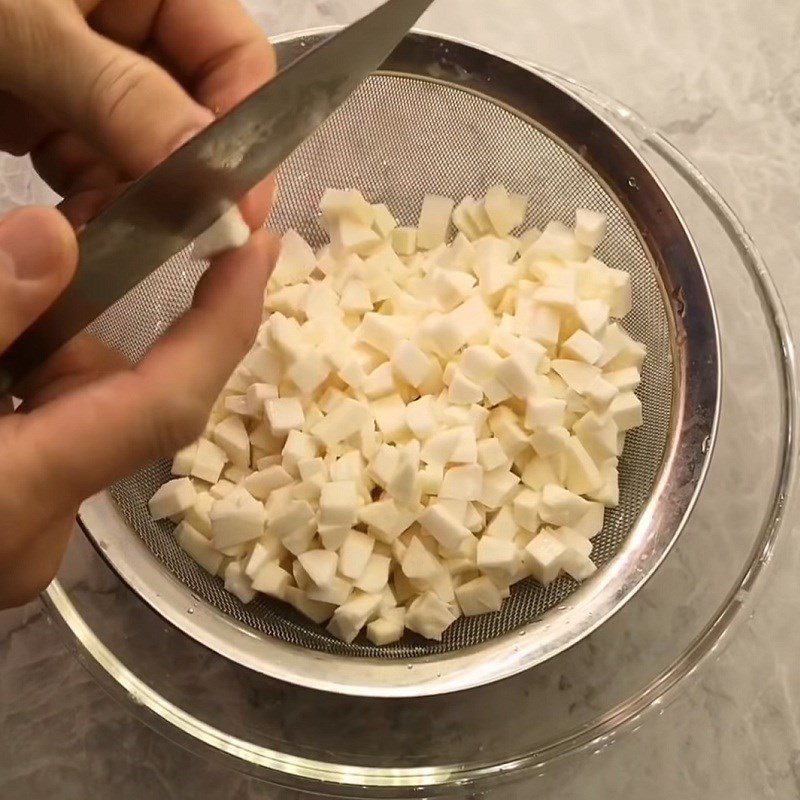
580	700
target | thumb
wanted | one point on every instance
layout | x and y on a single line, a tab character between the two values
120	101
38	256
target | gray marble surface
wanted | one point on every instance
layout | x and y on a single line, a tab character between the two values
722	79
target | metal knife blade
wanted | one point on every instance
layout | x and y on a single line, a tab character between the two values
168	208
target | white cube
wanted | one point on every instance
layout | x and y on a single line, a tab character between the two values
583	475
339	503
561	507
463	391
448	530
336	593
419	564
503	525
390	416
184	460
410	363
498	486
498	558
289	517
261	484
429	616
295	262
386	519
491	455
272	580
546	554
544	412
355	553
549	441
404	241
231	435
346	419
352	616
383	631
590	227
434	221
626	411
478	596
526	507
320	566
591	523
199	515
578	566
237	582
314	610
582	347
198	547
309	371
501	210
284	414
375	576
421	417
173	498
209	461
462	483
237	518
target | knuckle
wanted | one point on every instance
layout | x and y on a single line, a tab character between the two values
115	81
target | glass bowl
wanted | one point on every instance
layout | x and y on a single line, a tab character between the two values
583	698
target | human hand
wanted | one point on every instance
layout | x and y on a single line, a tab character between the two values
94	114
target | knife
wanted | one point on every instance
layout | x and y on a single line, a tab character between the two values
165	210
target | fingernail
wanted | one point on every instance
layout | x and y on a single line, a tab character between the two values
34	240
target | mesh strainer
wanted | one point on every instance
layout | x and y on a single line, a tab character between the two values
448	118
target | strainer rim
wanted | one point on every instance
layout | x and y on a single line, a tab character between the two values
427	676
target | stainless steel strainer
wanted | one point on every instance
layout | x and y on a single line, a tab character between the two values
446	117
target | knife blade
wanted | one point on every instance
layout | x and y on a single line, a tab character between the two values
165	210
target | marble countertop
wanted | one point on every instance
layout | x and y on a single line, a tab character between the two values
722	79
